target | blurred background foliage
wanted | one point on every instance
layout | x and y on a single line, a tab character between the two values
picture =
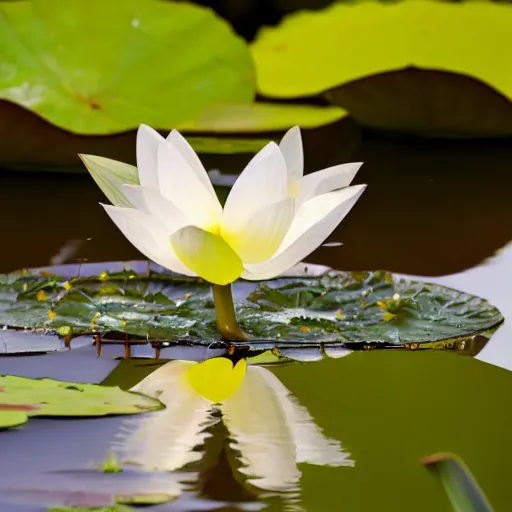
81	75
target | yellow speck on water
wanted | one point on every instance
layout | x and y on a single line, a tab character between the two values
132	276
51	315
339	314
388	316
103	276
304	328
187	295
41	295
66	285
381	304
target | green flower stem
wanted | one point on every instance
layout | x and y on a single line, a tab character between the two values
225	312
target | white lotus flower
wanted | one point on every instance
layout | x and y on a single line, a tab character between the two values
269	429
273	218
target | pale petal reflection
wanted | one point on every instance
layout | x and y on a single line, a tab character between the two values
269	432
165	441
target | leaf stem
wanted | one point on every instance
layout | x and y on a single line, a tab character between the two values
225	313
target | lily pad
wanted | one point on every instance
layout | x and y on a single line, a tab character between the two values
122	63
142	301
47	397
9	419
259	117
449	81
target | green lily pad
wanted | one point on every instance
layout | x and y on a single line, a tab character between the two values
104	66
10	419
47	397
397	65
145	302
259	117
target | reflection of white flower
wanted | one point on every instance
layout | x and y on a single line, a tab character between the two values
269	429
273	218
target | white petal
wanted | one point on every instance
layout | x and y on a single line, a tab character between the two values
291	147
314	222
188	153
311	445
181	185
257	425
207	254
263	233
165	440
327	180
263	182
150	200
148	235
148	141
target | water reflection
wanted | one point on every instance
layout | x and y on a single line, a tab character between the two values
243	416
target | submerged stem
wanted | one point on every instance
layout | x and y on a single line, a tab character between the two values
225	312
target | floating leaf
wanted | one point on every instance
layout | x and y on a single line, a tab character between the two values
47	397
12	418
352	47
147	303
149	61
463	492
258	117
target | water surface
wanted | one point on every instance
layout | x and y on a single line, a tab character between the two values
434	209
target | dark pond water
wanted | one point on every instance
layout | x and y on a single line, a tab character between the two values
435	209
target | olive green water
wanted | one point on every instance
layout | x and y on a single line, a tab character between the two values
431	208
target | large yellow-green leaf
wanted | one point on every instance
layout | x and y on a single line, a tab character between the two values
104	66
314	52
259	117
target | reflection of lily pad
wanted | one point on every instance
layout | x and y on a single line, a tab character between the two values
113	508
121	63
88	488
47	397
351	41
145	302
